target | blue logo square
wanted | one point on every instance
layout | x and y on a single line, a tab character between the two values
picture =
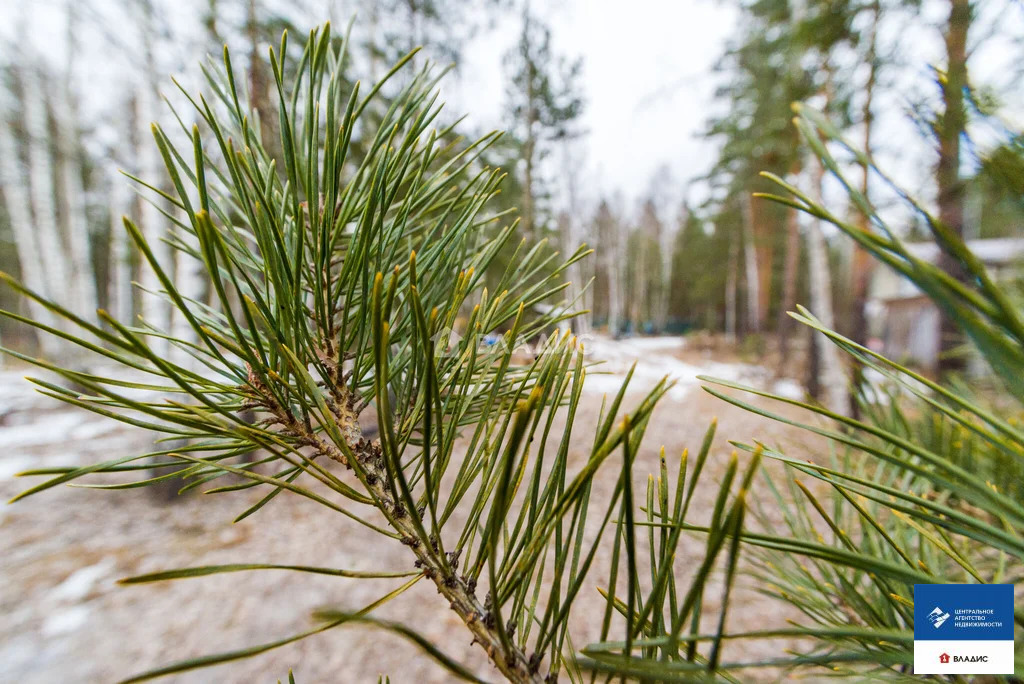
963	612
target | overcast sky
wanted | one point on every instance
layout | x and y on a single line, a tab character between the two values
647	76
649	84
646	81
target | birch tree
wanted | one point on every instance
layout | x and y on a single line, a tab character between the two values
156	310
120	291
82	288
832	376
41	187
610	264
19	211
572	234
752	269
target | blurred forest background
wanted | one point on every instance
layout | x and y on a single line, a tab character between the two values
930	88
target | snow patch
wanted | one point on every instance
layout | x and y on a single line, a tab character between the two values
12	465
80	583
50	427
789	389
654	360
65	621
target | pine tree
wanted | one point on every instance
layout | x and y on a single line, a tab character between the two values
950	129
766	77
544	105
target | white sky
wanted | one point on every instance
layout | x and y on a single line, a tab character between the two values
646	81
647	77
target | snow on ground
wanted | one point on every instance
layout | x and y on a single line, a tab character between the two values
66	620
30	420
655	357
17	394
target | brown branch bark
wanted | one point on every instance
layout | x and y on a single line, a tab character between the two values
440	568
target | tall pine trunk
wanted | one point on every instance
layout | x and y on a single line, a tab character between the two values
528	219
83	281
571	233
259	90
950	127
611	259
784	326
571	240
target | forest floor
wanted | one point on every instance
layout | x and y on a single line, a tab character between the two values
65	619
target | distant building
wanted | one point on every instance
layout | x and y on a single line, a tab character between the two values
904	322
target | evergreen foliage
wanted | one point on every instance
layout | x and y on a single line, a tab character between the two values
339	280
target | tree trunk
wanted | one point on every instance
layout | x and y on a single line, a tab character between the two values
155	309
191	283
861	263
831	377
611	257
792	267
16	199
44	205
731	277
950	127
528	205
751	267
614	298
529	151
665	278
571	238
120	292
123	202
259	91
83	283
577	281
